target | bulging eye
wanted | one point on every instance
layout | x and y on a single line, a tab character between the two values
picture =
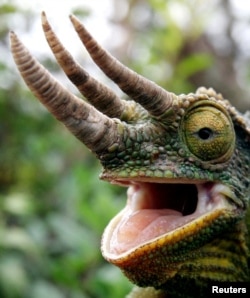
209	133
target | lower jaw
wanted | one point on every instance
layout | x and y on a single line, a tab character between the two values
206	224
156	261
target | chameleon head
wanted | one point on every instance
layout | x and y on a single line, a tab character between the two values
177	155
180	200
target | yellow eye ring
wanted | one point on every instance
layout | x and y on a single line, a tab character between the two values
208	132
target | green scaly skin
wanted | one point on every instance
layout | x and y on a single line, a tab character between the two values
216	252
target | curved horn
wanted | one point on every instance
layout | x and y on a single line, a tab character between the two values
152	97
102	97
79	117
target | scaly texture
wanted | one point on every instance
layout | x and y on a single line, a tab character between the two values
185	160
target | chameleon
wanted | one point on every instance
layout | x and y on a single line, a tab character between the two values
184	160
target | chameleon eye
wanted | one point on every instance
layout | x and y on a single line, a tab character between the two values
209	133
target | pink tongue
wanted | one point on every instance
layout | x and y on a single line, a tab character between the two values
142	226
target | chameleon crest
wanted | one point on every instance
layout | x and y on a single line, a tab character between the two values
184	159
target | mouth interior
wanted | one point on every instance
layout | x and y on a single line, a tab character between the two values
180	198
154	209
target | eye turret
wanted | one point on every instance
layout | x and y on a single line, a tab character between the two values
208	132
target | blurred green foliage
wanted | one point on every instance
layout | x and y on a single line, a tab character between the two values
52	214
53	208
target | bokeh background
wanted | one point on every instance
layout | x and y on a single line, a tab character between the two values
53	208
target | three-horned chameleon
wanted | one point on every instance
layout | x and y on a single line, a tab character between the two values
184	159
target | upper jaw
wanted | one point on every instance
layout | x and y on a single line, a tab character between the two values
156	210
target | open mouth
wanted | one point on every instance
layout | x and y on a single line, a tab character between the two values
156	209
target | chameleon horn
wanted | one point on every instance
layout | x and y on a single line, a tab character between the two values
79	117
102	97
152	97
